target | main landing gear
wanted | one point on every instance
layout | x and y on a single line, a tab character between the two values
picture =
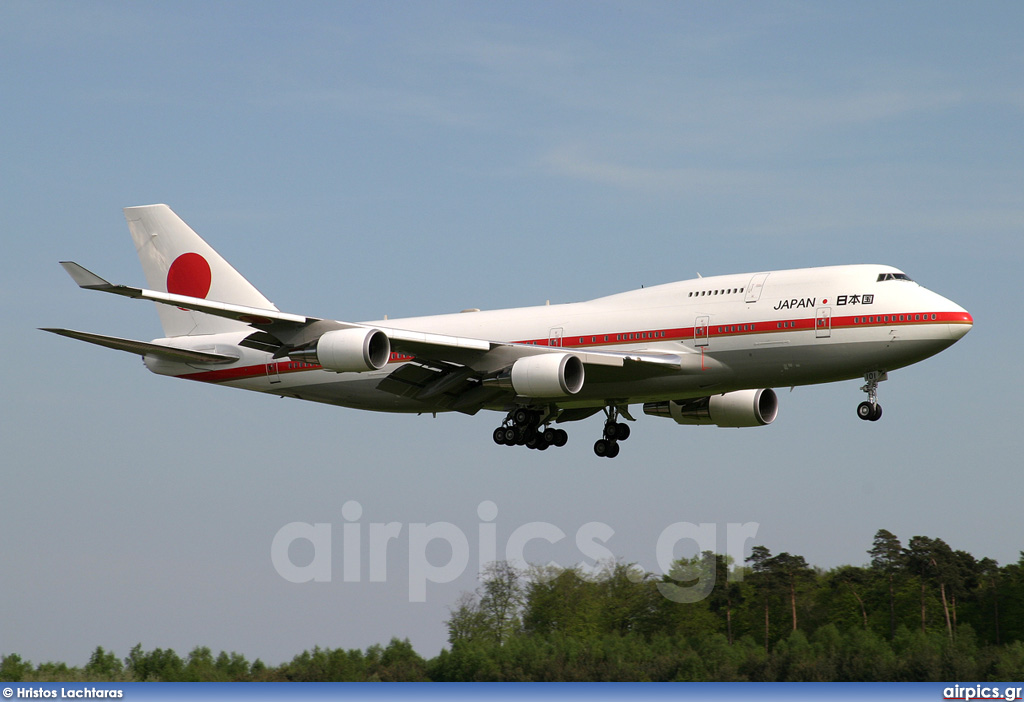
614	432
527	427
871	410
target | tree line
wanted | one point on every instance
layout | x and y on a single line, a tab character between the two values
920	611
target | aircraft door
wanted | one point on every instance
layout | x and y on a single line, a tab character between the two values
823	323
700	331
755	286
555	336
272	372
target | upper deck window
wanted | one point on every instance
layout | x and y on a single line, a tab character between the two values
892	276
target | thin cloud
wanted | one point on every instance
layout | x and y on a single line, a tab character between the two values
575	163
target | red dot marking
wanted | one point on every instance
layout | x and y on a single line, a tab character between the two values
189	275
824	302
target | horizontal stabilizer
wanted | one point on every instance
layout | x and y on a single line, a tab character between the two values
144	348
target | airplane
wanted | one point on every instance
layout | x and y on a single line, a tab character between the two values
701	351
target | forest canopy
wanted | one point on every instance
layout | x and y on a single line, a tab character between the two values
915	612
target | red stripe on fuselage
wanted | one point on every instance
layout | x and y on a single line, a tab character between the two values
577	341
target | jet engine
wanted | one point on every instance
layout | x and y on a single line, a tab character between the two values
543	375
743	408
347	350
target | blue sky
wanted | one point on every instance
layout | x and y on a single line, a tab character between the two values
361	159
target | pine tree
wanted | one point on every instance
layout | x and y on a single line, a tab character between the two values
888	558
762	579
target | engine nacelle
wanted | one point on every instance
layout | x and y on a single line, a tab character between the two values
347	350
543	375
743	408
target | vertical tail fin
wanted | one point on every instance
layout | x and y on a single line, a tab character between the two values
176	260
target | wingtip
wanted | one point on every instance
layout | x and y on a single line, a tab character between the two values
83	276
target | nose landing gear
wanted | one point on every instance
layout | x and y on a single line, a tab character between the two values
871	410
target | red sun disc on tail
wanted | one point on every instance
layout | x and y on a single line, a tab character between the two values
189	275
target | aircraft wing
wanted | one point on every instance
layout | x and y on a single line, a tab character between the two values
504	352
448	369
250	315
145	348
295	329
454	386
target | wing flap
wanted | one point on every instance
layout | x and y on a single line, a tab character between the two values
410	341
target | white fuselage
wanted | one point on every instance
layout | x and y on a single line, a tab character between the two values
764	330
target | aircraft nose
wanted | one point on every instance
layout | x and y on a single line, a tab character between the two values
960	324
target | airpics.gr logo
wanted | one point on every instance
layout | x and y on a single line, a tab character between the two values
981	692
369	545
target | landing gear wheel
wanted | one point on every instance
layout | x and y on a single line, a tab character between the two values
561	437
869	412
523	417
530	427
606	448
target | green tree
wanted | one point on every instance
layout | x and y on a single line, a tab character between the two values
157	665
690	602
1010	588
919	561
965	574
854	581
103	664
726	594
989	575
763	580
888	558
933	561
562	600
199	666
233	667
467	621
494	612
13	669
502	599
629	600
791	571
398	662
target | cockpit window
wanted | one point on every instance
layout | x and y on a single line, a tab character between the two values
892	276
